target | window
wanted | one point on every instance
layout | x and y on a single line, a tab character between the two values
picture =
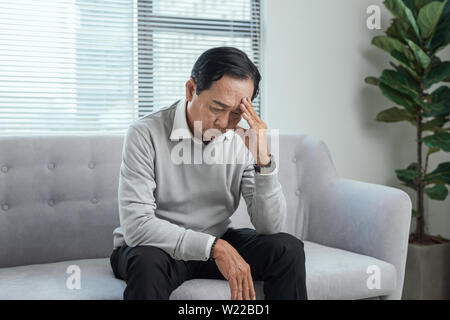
173	33
93	66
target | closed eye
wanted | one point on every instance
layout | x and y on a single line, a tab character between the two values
215	109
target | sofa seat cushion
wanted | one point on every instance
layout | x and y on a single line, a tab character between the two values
334	273
48	281
331	274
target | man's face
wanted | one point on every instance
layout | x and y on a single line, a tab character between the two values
218	107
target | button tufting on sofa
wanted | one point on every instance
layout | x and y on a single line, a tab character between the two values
51	165
5	169
51	203
91	165
5	207
94	200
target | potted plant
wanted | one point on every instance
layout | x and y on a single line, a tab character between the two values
416	83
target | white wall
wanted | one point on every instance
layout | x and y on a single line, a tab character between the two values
316	55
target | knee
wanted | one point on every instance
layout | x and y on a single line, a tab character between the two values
287	247
148	262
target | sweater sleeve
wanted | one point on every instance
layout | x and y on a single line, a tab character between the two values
137	205
263	194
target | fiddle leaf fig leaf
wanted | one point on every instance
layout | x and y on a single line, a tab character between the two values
397	97
429	16
441	37
432	107
400	10
401	58
439	139
421	56
394	114
372	80
389	44
433	150
437	73
407	175
420	4
437	192
400	82
441	95
439	175
433	125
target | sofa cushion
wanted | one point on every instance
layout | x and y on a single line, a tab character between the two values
331	274
334	273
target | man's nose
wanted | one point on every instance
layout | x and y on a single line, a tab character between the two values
222	123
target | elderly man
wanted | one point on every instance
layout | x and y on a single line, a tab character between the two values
175	215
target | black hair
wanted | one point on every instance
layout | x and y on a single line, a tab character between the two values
215	62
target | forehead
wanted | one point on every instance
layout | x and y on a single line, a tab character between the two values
230	90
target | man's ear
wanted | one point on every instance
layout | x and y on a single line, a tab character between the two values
190	89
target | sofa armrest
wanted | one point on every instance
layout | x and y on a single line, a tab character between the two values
364	218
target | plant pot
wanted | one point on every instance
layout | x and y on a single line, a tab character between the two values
427	273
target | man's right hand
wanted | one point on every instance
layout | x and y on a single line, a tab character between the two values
234	268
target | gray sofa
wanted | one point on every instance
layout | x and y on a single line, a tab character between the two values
58	208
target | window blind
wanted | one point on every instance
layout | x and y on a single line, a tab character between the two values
65	66
93	66
173	33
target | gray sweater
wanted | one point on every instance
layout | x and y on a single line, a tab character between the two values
180	201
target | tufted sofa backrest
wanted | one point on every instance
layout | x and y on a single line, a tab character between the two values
58	194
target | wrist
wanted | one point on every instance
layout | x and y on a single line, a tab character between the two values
216	248
258	167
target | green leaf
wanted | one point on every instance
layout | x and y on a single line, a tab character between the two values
439	175
409	175
414	213
420	4
428	18
395	30
432	150
389	44
432	108
397	97
441	37
400	57
437	192
421	56
411	4
434	124
403	71
437	74
394	114
372	80
400	10
400	82
442	96
439	139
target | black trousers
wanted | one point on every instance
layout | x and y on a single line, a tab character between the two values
277	259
